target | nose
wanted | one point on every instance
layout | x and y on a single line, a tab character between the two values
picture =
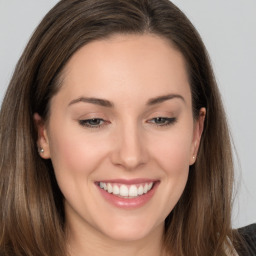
130	151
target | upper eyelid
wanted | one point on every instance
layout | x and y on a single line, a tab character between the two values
90	119
149	114
106	119
84	123
170	119
92	115
160	112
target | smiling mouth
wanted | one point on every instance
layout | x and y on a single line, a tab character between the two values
126	191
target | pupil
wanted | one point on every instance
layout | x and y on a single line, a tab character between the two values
95	121
160	120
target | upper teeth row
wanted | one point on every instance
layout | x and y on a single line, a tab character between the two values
127	191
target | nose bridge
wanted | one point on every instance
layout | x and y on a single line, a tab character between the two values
130	151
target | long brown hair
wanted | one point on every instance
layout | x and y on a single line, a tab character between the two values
32	218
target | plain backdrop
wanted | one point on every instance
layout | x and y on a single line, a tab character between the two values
228	29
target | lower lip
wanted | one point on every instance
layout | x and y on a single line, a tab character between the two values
128	203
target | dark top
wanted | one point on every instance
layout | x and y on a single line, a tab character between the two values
248	234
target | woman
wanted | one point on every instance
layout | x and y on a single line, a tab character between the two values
108	138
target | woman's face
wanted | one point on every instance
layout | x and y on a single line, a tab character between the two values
121	136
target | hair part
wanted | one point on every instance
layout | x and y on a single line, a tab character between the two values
32	217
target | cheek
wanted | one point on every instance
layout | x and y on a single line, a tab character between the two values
173	185
173	151
172	155
74	155
75	158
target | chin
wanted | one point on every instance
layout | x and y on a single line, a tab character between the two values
130	231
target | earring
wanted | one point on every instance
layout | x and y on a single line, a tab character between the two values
194	157
40	150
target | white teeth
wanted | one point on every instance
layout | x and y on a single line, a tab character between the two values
133	191
116	190
110	189
103	185
140	190
126	190
145	189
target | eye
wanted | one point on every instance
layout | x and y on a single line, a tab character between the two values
93	123
162	121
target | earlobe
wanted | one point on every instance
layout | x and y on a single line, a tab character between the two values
42	137
199	128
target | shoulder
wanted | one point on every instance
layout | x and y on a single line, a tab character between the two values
248	235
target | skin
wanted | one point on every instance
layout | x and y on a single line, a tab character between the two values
128	71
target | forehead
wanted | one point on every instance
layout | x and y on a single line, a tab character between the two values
145	65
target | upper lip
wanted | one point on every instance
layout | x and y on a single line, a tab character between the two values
128	181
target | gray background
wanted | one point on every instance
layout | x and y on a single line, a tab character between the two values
228	29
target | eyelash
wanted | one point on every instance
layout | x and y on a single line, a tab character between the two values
99	123
164	121
157	121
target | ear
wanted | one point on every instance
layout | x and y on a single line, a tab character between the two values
42	137
198	130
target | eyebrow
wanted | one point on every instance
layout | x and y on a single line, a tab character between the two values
96	101
163	98
107	103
